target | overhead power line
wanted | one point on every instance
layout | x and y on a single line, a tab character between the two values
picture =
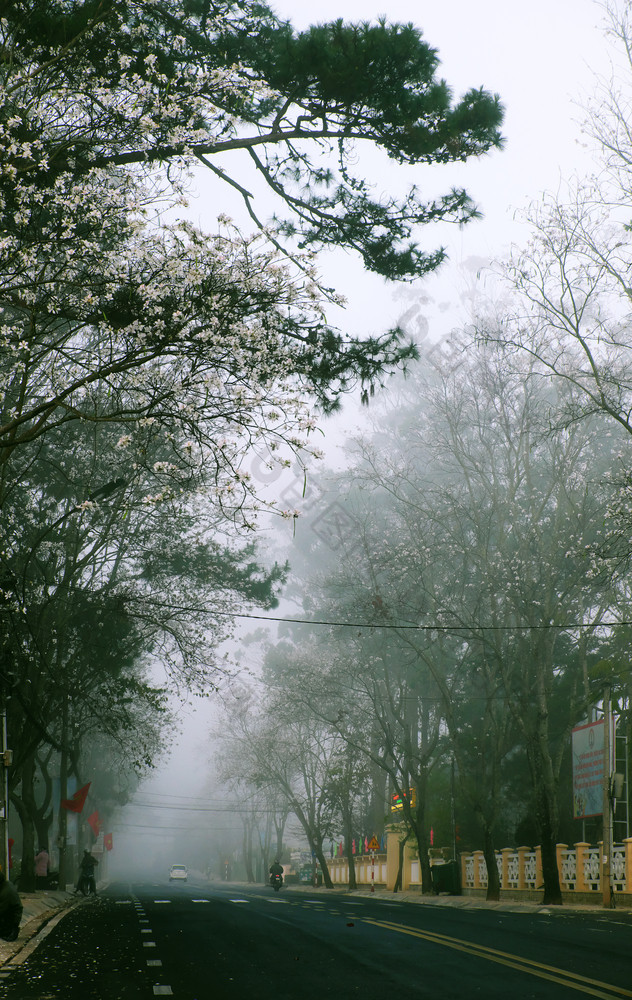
123	827
469	627
456	627
227	810
172	808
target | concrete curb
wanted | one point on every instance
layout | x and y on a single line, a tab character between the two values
459	902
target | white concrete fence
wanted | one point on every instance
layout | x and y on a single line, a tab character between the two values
520	869
580	868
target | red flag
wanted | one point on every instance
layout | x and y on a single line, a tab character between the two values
78	801
108	842
95	823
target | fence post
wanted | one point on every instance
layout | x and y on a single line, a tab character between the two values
522	858
539	877
476	857
559	858
504	875
581	849
627	844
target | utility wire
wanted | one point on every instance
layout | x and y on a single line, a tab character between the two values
428	628
152	602
210	809
456	627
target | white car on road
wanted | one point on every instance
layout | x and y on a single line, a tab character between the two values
178	872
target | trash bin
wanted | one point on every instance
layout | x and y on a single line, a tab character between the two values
445	878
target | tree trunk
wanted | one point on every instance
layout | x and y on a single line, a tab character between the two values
378	805
64	866
399	881
546	816
314	839
353	883
26	809
493	878
43	817
247	851
547	826
347	823
279	825
418	817
42	826
322	861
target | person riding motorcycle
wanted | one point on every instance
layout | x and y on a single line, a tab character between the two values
276	870
276	875
86	882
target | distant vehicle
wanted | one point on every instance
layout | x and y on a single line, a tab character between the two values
178	872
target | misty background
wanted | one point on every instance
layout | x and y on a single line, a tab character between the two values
544	60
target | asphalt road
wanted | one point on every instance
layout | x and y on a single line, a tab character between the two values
217	941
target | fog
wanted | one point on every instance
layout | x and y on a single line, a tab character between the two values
540	58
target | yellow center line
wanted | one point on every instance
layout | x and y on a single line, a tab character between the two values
593	987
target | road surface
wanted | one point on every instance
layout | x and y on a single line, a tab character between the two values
214	941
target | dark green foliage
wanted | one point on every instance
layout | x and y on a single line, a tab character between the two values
215	567
379	77
328	87
372	83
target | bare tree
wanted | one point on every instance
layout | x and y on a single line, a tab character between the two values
487	539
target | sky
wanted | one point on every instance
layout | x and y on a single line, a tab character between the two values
540	58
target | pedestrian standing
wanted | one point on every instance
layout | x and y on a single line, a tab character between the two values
42	861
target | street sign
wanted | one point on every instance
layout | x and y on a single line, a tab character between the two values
397	802
374	845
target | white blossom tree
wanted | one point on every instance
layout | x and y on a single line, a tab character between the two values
105	107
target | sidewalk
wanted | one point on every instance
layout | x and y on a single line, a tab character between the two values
39	908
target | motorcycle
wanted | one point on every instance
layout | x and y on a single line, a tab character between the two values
276	881
86	885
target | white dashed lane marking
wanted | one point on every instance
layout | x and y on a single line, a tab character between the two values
159	990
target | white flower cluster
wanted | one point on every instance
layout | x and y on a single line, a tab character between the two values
107	312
